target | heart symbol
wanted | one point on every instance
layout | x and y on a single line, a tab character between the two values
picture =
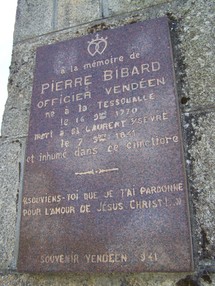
98	45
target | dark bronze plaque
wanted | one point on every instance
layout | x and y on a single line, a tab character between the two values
104	186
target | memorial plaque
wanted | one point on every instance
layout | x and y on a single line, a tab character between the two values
104	185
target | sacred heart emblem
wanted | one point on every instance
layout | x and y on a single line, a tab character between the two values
97	45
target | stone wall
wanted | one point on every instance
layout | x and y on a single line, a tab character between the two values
192	29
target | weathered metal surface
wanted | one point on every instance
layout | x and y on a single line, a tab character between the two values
104	186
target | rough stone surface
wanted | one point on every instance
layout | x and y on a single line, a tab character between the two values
73	12
202	178
33	18
15	120
95	280
193	37
197	45
9	188
111	280
114	7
